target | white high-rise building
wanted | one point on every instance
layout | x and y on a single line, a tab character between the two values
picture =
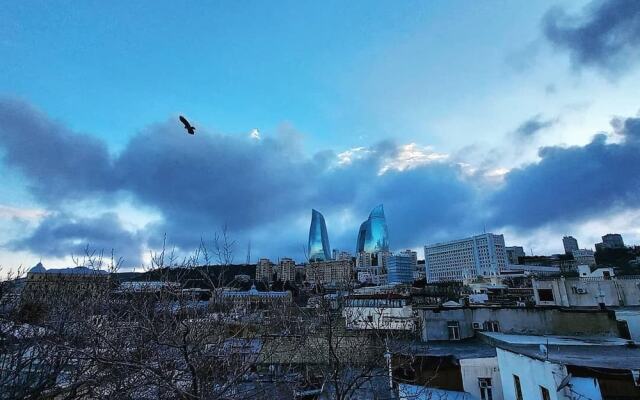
481	255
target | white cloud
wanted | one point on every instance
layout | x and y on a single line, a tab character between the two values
356	153
411	156
31	214
255	134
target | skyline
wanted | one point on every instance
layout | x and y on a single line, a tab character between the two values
527	126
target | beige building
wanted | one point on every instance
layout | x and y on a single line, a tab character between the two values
286	270
333	273
264	270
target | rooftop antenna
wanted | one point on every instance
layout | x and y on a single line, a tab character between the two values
249	252
484	228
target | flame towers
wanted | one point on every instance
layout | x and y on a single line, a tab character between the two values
319	249
373	236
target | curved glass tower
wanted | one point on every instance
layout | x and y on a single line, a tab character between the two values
318	239
373	236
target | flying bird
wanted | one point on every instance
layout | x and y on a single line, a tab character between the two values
187	125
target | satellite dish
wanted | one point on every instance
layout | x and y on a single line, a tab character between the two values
564	383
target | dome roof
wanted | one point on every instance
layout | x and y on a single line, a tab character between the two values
38	269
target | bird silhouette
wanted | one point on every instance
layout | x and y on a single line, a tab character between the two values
190	128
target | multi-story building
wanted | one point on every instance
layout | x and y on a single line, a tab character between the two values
372	267
318	249
570	244
611	241
329	273
373	236
286	270
584	257
265	270
514	253
418	269
401	267
54	285
481	255
341	255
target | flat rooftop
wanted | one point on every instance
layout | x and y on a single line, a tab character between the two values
458	349
592	352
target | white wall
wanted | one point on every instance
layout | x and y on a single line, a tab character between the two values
474	368
533	374
633	322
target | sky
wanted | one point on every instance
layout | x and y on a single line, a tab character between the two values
461	117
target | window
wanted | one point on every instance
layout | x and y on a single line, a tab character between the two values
486	391
518	388
545	294
454	330
544	392
492	326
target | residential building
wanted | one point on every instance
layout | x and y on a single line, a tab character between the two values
463	370
585	271
265	270
400	268
456	260
611	241
514	253
570	244
372	267
437	323
330	273
613	291
286	270
341	255
373	236
318	248
379	311
544	367
584	257
56	284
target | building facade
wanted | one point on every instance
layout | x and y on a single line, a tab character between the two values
265	270
372	267
481	255
613	241
584	257
514	253
286	270
400	268
373	236
570	244
330	273
318	249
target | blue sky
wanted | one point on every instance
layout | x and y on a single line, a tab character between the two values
437	109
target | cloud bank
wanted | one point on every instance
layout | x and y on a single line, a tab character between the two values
264	189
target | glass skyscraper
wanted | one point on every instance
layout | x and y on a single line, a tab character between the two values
373	236
319	249
400	269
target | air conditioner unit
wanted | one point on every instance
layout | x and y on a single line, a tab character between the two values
476	326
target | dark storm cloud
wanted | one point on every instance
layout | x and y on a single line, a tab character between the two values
534	125
59	163
200	183
572	183
61	235
263	189
607	36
